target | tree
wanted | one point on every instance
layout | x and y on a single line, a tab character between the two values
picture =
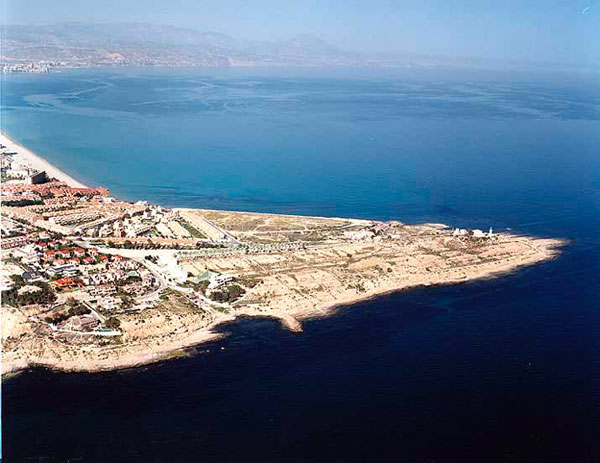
18	280
113	323
43	297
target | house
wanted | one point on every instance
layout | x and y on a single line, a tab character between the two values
148	280
32	276
6	283
64	253
27	254
381	228
359	235
109	303
459	232
88	322
63	270
478	233
13	242
219	280
65	283
49	255
78	252
74	260
89	260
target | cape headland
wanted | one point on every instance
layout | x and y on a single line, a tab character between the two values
93	283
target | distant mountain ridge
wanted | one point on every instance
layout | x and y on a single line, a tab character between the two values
137	44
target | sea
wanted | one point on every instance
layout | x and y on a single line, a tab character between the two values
500	370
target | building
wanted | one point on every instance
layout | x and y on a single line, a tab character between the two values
63	270
359	235
32	276
217	281
66	283
13	242
6	283
37	177
78	252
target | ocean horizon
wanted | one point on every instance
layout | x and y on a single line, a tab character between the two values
505	369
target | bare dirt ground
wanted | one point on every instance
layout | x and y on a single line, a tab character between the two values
290	285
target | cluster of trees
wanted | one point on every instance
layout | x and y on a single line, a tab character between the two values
204	244
127	244
149	245
202	286
44	296
22	202
230	294
113	323
133	279
75	308
127	302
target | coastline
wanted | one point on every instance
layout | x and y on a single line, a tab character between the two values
142	354
291	320
36	161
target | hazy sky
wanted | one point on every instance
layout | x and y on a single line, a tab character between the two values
551	30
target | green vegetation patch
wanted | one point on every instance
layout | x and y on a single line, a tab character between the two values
14	298
229	294
192	231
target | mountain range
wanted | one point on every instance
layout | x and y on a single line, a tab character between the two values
137	44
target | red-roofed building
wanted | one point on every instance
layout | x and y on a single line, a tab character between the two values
66	283
49	254
89	260
52	244
78	252
41	245
60	261
74	260
103	257
65	253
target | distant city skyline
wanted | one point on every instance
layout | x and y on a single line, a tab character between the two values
552	31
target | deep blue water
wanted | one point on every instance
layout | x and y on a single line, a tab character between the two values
501	370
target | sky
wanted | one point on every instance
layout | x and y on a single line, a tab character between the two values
531	30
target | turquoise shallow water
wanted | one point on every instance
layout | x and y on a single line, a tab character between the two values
505	370
359	143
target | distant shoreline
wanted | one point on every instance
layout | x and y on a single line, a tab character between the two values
36	161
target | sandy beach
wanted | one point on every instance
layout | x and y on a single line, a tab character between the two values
31	159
